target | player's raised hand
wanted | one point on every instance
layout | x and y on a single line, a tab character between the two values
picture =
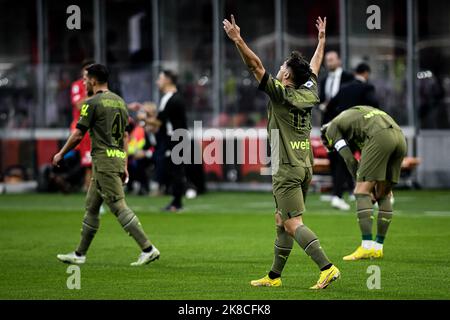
321	26
232	29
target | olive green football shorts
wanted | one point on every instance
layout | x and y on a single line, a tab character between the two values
382	156
290	185
105	186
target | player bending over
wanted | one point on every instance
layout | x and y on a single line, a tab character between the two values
383	147
105	115
292	96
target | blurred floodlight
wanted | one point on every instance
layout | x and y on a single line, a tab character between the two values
424	74
203	81
4	82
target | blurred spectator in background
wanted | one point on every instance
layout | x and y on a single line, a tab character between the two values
141	146
78	95
329	87
335	78
432	109
171	116
358	92
15	174
354	93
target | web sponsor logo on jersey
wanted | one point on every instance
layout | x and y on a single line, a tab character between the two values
300	145
112	103
374	113
114	153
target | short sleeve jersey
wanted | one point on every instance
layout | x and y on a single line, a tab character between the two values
105	115
289	112
357	125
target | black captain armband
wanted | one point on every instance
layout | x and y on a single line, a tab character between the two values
262	84
340	144
82	128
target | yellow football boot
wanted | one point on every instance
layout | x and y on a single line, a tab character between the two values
266	282
359	254
326	277
377	254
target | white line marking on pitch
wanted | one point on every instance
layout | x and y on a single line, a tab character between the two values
438	213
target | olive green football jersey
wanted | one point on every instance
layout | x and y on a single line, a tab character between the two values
105	115
289	112
357	124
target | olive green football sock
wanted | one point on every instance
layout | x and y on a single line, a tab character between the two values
130	223
91	223
282	249
364	210
91	220
310	243
385	214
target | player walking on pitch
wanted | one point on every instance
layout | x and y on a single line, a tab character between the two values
383	147
105	115
292	96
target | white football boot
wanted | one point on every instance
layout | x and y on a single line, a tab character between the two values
146	257
71	258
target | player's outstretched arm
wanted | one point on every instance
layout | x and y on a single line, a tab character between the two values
74	139
250	58
317	58
350	161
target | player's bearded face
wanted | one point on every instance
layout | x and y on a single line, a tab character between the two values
87	84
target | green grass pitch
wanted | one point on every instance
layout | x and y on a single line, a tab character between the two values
215	247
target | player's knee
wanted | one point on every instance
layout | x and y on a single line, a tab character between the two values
290	230
365	187
382	192
360	189
278	219
291	226
117	207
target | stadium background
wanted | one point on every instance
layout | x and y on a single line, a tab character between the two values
40	57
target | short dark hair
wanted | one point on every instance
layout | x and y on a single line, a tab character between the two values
171	75
99	72
301	69
362	67
87	62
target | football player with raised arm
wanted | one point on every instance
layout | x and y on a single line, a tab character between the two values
293	94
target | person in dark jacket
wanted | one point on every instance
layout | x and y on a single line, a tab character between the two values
329	88
335	78
353	93
171	116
